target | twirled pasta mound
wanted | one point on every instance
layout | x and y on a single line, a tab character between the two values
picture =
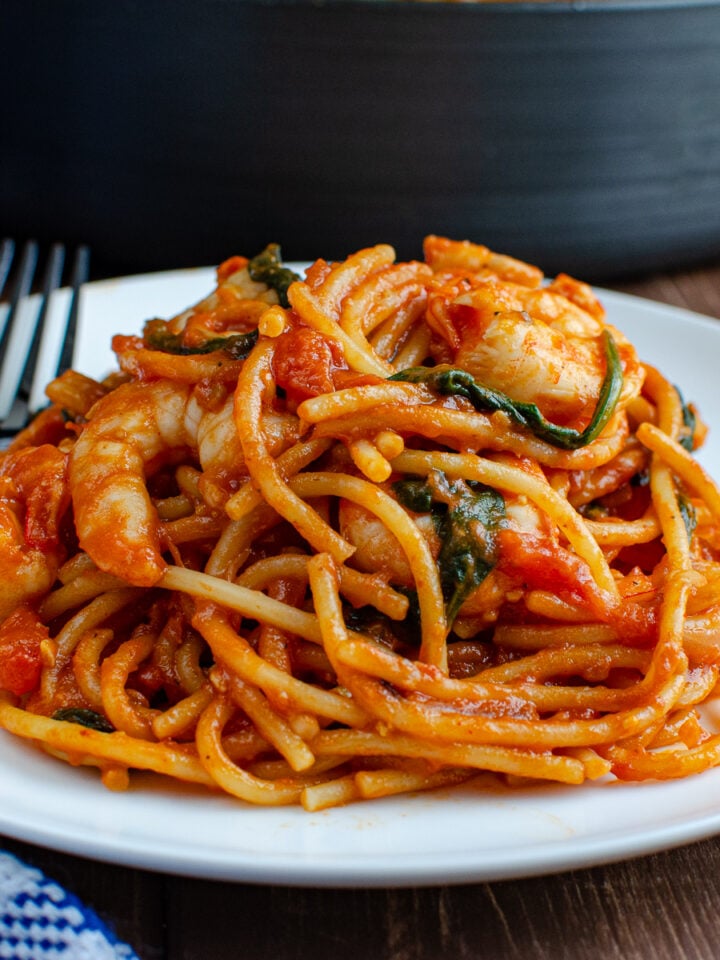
363	532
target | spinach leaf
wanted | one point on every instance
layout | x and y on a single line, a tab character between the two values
451	381
687	512
467	517
414	494
469	543
687	437
381	628
236	345
86	718
267	267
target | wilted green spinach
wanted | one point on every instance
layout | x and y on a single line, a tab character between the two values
467	517
236	345
451	381
267	267
86	718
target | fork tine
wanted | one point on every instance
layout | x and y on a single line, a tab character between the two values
7	252
50	283
23	282
38	338
13	332
79	276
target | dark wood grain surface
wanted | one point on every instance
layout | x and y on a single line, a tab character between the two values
663	906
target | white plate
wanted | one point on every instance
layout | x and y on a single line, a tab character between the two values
473	833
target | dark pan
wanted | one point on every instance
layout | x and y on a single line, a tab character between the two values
582	136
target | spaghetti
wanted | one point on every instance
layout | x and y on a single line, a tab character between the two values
363	532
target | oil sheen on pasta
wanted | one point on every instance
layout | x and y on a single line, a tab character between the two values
368	530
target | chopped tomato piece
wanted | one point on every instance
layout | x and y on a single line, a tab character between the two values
305	362
542	564
20	637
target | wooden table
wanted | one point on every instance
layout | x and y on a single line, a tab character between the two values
663	906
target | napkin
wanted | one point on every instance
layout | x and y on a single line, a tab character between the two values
39	920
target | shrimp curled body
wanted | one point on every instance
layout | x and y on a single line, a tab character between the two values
33	500
114	516
133	431
536	346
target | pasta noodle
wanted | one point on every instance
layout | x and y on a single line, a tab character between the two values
363	532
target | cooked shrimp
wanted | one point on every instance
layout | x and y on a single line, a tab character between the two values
377	549
236	303
459	256
220	451
207	341
131	432
33	501
536	346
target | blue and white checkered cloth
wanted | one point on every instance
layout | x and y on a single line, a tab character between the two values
39	920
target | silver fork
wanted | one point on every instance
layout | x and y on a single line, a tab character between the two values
25	326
